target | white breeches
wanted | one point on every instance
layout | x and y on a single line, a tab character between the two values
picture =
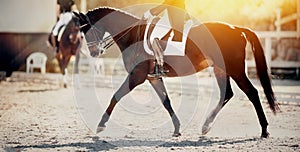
64	19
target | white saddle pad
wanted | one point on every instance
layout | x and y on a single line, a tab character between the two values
60	32
162	27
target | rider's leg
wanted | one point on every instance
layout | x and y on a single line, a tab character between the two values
53	42
159	52
64	19
159	65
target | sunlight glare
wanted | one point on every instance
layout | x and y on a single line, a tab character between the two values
225	10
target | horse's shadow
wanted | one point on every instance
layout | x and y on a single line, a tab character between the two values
206	142
37	90
101	145
96	145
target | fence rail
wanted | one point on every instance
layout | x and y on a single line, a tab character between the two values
268	36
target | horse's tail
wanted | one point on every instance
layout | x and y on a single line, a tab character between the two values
261	68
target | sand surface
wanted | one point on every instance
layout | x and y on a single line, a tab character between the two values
42	116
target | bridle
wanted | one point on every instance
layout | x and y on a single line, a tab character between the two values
101	44
108	41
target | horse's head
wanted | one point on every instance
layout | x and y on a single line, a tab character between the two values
95	23
93	35
69	44
74	27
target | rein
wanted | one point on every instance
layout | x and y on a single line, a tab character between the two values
98	42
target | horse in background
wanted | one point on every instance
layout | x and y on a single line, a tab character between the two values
68	45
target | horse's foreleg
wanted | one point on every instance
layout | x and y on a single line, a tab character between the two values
76	70
160	89
106	115
76	67
65	77
63	63
129	84
225	95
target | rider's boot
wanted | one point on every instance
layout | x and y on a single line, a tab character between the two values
162	71
159	70
55	42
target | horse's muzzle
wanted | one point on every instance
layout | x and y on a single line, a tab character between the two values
96	50
95	53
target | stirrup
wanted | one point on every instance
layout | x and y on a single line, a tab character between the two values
159	72
156	75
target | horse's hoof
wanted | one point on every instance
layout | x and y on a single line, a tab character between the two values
65	86
176	135
205	130
265	135
100	129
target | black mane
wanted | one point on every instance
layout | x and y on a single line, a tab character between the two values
102	11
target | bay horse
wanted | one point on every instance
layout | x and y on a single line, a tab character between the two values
69	45
217	44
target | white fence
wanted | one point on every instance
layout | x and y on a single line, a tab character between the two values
268	36
278	34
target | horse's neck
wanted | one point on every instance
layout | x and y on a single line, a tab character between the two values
126	31
121	26
117	22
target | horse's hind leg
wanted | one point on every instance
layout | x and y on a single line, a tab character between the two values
225	95
246	86
161	91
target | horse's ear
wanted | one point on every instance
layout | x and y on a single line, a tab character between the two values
81	17
84	17
76	14
84	24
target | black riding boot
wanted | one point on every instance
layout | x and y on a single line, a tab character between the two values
158	72
53	40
